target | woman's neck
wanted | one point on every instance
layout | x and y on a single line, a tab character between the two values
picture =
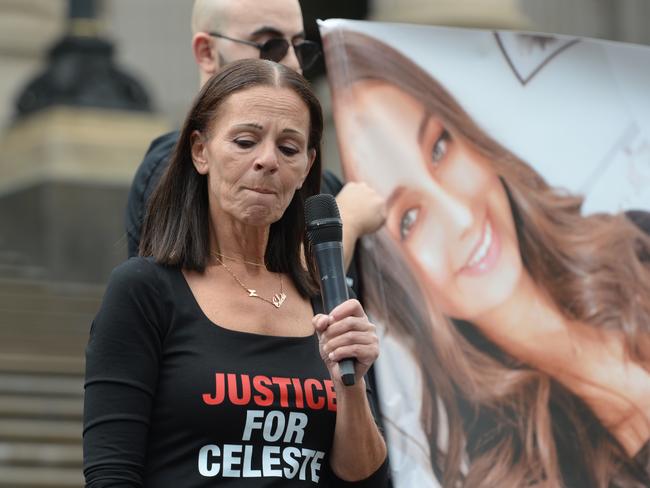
237	240
590	362
529	327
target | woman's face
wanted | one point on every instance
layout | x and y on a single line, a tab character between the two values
447	209
255	154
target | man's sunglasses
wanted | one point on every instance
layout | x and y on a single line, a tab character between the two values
276	49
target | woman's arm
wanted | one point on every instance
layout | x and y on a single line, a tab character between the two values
122	359
358	451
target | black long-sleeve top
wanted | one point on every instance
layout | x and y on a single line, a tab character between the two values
174	400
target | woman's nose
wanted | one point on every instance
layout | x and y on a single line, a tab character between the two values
457	211
267	159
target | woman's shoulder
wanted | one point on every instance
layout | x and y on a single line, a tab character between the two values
136	268
142	274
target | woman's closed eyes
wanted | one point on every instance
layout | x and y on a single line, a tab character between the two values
244	143
284	149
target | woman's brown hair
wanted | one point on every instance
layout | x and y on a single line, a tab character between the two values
505	416
176	230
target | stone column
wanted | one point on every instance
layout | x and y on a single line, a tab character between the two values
505	14
633	21
27	28
68	157
585	18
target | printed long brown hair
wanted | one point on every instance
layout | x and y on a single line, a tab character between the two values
506	417
176	229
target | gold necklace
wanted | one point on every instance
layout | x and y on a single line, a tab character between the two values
222	257
277	300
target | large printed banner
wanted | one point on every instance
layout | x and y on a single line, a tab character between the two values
511	282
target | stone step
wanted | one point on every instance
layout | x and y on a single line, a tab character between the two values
18	266
13	257
60	330
31	477
49	431
40	454
44	329
21	406
36	343
19	271
58	335
39	288
41	385
46	364
48	301
44	320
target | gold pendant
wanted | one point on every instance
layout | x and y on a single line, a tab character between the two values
252	293
278	299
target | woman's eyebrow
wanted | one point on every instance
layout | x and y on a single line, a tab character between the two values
292	131
249	125
395	196
257	127
423	125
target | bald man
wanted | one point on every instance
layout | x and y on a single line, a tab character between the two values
241	22
228	30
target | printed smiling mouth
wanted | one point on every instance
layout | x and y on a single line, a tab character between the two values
483	247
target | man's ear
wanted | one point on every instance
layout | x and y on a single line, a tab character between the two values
198	152
205	53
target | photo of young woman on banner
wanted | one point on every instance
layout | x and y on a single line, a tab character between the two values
512	278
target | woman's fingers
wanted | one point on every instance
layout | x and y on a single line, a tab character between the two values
348	339
347	324
347	333
321	322
347	308
364	354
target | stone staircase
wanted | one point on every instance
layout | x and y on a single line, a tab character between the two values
15	264
43	332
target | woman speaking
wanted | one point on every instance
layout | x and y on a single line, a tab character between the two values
203	366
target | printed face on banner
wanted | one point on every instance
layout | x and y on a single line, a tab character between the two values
447	209
511	280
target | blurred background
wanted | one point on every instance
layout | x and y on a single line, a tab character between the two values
85	85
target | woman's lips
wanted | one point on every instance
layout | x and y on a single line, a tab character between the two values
485	254
264	191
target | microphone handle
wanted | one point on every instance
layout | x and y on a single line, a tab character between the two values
334	290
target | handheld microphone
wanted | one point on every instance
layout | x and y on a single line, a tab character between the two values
325	232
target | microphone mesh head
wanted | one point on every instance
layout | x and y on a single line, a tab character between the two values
323	219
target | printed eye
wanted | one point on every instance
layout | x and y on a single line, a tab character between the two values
440	148
407	222
244	143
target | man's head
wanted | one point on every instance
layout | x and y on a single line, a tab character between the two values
245	20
